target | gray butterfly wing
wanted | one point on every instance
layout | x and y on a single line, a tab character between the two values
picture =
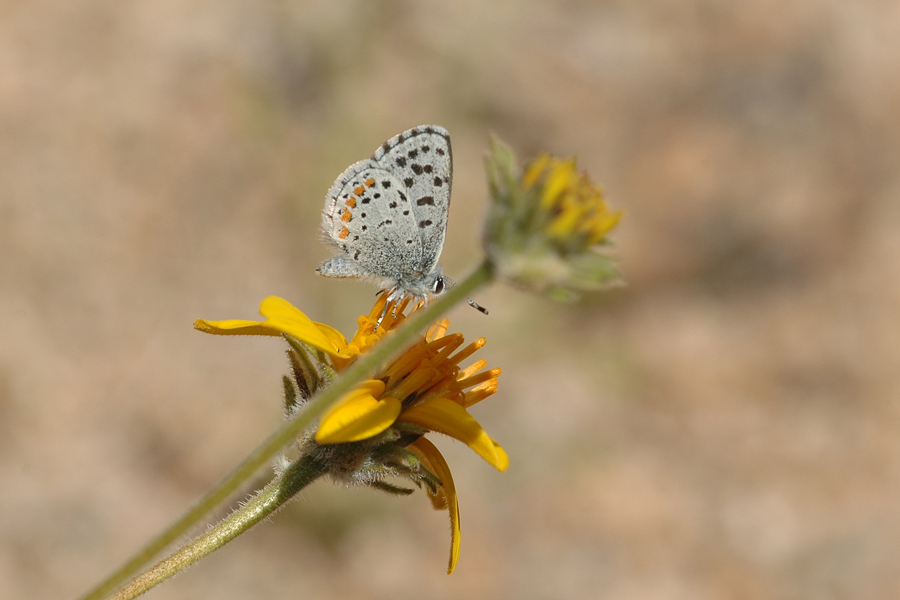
421	158
368	217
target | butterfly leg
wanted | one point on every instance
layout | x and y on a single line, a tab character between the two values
393	295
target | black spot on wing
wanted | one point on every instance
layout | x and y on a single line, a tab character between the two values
401	162
427	168
440	151
408	181
438	182
412	153
425	223
429	200
417	169
385	184
426	149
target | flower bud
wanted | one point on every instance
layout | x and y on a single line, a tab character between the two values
547	226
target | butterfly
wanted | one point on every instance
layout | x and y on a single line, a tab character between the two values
387	216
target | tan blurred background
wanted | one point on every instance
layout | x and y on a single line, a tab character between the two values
727	426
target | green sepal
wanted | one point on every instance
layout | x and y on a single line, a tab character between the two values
391	489
290	395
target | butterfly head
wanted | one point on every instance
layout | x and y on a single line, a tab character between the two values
425	285
438	286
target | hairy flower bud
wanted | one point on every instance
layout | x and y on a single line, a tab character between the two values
547	226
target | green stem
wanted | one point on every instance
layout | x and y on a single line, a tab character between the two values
272	497
387	349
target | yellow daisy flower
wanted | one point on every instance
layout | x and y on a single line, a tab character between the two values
377	430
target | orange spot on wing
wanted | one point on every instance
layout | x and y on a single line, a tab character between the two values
344	233
358	191
346	216
370	182
351	202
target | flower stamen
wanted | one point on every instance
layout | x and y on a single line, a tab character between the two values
438	330
414	381
468	351
479	378
472	369
479	393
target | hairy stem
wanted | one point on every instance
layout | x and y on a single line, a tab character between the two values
272	497
387	349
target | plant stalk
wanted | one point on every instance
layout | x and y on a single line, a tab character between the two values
272	497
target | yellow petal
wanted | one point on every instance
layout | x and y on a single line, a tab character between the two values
336	337
565	223
359	415
234	327
602	225
435	463
287	318
562	176
448	417
536	170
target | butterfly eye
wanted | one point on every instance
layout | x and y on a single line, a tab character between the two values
438	285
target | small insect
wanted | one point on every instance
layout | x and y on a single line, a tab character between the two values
387	215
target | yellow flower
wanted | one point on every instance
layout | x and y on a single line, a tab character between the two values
377	429
423	391
546	225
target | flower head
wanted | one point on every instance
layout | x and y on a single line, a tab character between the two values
377	430
547	225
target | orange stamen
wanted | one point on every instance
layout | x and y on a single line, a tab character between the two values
480	378
477	394
468	351
413	382
472	369
438	330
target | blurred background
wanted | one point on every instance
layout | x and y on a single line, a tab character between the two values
727	426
